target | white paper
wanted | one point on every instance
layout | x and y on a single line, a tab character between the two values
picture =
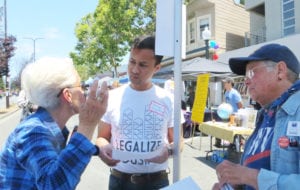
124	155
186	183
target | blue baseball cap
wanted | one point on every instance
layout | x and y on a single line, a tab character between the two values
271	52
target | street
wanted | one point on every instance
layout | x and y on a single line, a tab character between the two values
95	177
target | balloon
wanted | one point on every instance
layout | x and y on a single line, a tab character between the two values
216	46
215	56
224	110
212	43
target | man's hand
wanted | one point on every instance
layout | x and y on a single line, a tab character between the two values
162	157
106	155
236	174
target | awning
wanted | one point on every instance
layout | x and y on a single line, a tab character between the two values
201	65
194	67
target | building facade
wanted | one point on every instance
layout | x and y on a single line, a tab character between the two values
272	19
227	21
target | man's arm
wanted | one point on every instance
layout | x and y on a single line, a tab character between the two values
240	105
171	134
103	142
171	138
104	134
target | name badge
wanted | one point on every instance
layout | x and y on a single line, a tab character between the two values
293	128
157	108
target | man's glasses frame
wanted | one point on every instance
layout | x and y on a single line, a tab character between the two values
251	72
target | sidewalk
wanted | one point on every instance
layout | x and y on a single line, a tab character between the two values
193	163
5	112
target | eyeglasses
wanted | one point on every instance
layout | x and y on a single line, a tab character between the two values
82	86
251	72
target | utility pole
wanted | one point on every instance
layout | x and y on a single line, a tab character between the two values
6	59
34	40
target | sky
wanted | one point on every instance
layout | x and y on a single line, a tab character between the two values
52	20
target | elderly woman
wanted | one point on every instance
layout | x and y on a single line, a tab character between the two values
36	154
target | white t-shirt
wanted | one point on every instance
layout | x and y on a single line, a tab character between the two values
139	123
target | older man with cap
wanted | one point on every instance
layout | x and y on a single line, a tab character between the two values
271	158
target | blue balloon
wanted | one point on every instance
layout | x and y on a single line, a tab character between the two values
224	110
212	43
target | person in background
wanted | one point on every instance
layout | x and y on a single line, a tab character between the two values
232	96
191	98
271	154
169	85
36	154
139	119
27	107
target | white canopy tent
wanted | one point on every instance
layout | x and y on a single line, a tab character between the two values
190	69
202	65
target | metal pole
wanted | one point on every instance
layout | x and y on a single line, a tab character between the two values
178	89
207	57
34	50
206	49
33	40
6	60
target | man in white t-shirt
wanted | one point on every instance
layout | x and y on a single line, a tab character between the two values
138	122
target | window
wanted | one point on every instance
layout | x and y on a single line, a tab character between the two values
203	22
288	15
192	32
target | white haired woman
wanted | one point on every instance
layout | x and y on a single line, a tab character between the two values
36	154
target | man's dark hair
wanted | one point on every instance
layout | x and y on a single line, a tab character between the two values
146	42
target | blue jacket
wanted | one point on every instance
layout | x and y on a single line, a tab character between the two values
36	155
285	162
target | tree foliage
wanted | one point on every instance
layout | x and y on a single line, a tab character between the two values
7	49
2	87
104	36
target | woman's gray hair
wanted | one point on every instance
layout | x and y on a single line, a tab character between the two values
43	80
